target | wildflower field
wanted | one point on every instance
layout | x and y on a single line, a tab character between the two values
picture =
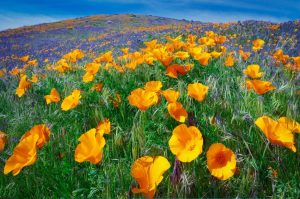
121	106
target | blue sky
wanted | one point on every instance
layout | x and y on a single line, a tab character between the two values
16	13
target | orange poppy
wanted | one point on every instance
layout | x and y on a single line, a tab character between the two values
197	91
142	99
171	95
175	69
153	86
23	86
257	44
253	72
97	87
71	101
221	161
52	97
186	143
148	172
276	132
90	148
244	55
203	58
24	58
290	124
229	62
25	154
43	133
177	111
3	140
259	86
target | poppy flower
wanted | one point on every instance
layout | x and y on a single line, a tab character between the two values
252	71
25	154
216	54
32	63
97	87
90	148
171	95
279	56
229	62
257	44
71	101
182	55
175	70
52	97
259	86
203	58
197	91
148	172
91	71
276	132
34	79
3	140
290	124
43	133
221	161
103	127
177	111
142	99
153	86
244	55
186	143
24	58
23	86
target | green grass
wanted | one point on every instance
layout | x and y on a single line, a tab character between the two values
135	133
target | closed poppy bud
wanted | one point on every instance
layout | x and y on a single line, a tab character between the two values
52	97
253	72
186	143
177	111
221	161
71	101
3	140
90	148
23	86
259	86
197	91
97	87
171	95
148	172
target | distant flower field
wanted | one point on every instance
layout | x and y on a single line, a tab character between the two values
138	106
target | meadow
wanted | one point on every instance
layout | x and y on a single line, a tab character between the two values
131	106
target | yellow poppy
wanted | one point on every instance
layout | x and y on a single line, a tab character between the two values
153	86
186	143
221	161
148	172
